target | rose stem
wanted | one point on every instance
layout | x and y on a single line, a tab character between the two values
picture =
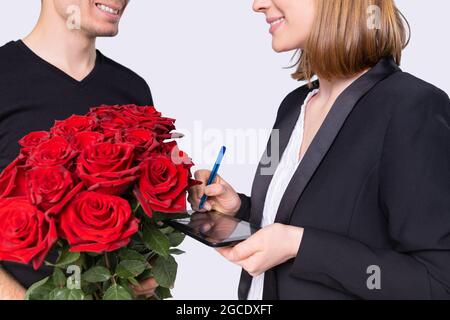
108	265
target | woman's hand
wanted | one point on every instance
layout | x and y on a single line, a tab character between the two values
221	196
266	249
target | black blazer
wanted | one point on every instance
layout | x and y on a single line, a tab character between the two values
373	189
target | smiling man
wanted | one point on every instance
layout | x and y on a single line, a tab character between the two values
55	72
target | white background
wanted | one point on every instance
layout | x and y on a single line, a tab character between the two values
212	61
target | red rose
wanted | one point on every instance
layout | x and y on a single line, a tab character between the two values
140	112
180	158
162	126
26	233
148	118
104	111
71	126
95	222
169	147
116	123
112	118
143	140
54	152
108	168
162	185
34	139
13	179
83	140
50	186
111	128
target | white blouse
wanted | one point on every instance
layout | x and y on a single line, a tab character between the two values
280	181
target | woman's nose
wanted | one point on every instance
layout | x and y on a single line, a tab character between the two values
261	5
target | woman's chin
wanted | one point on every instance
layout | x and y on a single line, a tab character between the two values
279	48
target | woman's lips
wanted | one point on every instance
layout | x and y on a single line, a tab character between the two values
275	23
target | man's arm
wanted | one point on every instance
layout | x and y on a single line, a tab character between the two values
10	289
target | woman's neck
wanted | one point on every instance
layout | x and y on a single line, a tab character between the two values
330	89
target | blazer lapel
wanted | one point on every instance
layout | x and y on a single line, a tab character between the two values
280	136
327	134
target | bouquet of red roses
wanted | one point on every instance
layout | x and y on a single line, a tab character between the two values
95	188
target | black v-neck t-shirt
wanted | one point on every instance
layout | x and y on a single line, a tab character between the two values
34	93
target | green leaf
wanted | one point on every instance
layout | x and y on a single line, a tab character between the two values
148	273
133	281
39	290
167	230
97	274
126	285
88	288
59	278
162	293
130	268
128	254
176	251
66	294
161	216
66	258
165	271
117	292
176	238
155	240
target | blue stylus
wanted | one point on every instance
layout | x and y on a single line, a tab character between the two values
213	175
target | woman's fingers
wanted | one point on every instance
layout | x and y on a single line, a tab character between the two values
208	206
202	176
196	192
221	196
242	250
225	252
215	190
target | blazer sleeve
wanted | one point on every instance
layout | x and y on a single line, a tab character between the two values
414	194
244	210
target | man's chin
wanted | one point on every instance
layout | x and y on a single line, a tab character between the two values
102	32
107	34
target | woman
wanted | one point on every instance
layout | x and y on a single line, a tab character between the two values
359	205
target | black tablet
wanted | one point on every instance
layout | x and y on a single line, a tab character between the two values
214	229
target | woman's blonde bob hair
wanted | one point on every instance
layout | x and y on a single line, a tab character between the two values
350	36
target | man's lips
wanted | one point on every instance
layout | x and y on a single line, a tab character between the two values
109	8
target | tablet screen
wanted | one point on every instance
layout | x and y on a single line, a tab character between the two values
214	229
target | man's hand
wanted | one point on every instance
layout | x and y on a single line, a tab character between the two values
146	288
10	289
266	249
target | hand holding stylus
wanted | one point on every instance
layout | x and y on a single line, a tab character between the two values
221	195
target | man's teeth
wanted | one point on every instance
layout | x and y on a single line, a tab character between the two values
277	21
107	9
